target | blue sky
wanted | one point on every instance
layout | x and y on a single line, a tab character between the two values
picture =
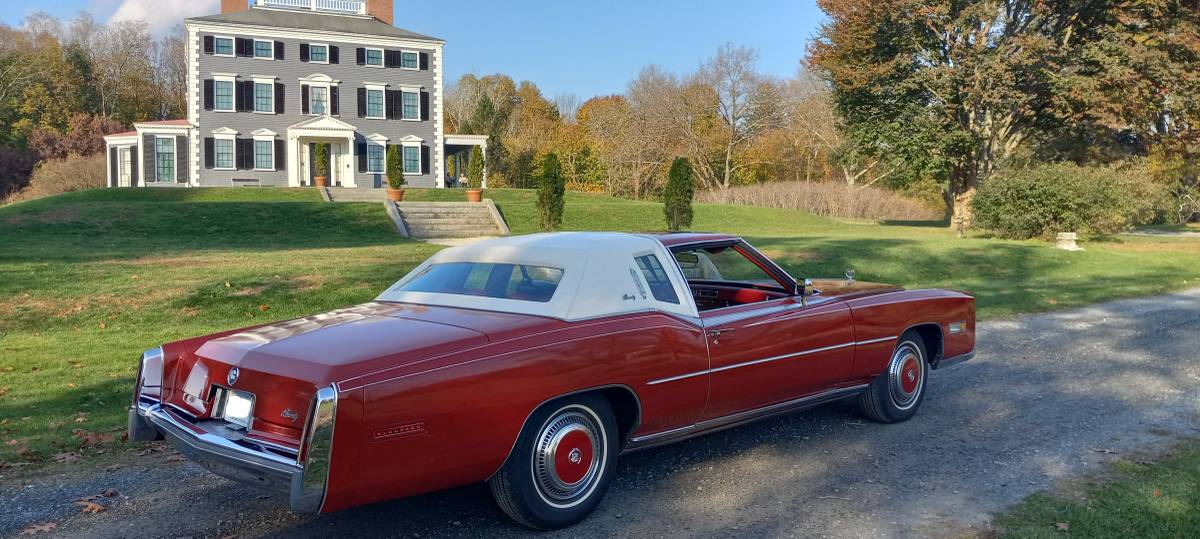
585	48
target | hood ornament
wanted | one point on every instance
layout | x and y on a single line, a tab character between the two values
850	276
233	376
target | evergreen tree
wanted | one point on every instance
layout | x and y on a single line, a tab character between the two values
551	188
475	168
677	196
395	167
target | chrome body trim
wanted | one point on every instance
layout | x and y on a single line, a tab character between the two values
733	420
303	476
768	359
951	361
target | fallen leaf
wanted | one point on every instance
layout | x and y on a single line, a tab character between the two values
1063	526
4	391
89	507
227	285
71	385
176	458
1157	493
263	308
91	438
45	527
103	325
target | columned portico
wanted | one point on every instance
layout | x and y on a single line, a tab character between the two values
338	134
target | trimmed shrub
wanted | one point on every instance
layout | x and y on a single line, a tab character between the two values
1043	200
56	176
678	195
321	159
395	168
551	189
475	168
828	199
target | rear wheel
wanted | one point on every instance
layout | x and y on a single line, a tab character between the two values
562	464
899	390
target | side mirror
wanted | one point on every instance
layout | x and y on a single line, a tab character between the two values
804	289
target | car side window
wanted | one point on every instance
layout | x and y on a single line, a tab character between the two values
656	276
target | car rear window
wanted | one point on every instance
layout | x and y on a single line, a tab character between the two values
504	281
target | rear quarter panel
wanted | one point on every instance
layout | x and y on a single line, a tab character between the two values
453	420
891	314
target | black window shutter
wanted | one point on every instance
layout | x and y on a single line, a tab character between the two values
335	101
390	60
239	96
239	154
210	158
362	156
304	98
424	106
280	96
424	159
279	50
112	167
245	47
182	170
335	55
150	155
304	52
424	61
389	104
280	155
208	44
362	102
208	94
360	56
133	168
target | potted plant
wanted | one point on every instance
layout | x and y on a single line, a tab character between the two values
321	164
395	174
475	176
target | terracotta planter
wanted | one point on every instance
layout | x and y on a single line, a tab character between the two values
395	195
474	195
321	181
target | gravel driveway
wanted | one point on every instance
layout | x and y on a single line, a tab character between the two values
1047	397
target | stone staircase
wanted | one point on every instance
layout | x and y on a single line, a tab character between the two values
444	220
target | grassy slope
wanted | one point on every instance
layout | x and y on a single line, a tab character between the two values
1139	499
90	279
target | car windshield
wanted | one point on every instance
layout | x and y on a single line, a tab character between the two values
504	281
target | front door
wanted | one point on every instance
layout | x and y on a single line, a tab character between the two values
765	345
305	160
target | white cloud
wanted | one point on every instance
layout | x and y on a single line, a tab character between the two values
164	15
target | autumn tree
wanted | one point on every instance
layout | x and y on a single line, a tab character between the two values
951	89
746	104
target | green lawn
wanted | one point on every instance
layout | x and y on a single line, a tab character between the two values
1144	499
88	280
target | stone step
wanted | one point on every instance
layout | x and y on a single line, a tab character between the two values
436	218
444	211
458	233
429	227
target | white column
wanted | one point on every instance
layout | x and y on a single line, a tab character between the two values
293	160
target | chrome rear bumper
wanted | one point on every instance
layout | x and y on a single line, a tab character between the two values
302	477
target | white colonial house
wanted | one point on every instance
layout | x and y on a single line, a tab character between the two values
269	81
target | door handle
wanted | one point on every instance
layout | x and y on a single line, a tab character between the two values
716	333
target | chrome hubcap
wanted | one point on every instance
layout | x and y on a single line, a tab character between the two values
906	374
569	456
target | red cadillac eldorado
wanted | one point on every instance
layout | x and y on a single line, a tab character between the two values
532	362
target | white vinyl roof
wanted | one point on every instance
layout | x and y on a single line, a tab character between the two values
600	275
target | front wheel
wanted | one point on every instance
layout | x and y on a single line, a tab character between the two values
561	465
899	390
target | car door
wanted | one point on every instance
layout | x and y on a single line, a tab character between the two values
768	347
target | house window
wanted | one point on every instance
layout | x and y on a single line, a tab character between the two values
410	60
374	103
223	46
223	153
318	99
264	49
412	159
375	158
318	54
223	95
375	57
264	97
656	277
410	109
164	158
264	154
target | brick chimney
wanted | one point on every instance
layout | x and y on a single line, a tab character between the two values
380	9
234	6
